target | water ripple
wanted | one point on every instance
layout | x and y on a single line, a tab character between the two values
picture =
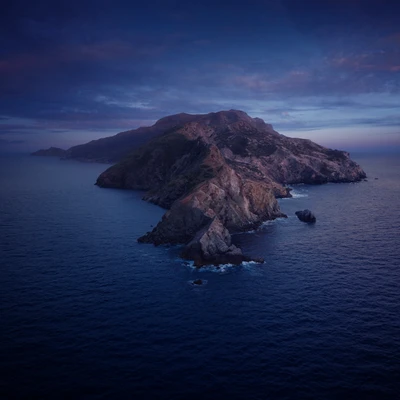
87	312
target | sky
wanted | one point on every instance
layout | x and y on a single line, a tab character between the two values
327	70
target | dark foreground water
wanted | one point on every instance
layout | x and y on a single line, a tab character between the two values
86	312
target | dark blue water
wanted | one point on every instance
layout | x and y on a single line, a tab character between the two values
86	312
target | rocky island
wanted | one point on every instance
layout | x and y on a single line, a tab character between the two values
217	174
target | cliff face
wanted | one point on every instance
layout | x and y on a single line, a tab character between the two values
221	173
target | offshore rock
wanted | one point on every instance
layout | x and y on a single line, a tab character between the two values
306	216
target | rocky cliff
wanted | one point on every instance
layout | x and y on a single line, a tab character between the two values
220	173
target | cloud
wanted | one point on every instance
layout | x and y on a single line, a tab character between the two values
16	128
6	142
372	61
251	82
393	39
287	116
323	81
141	105
59	55
101	67
316	124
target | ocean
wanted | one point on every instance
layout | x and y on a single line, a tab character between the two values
89	313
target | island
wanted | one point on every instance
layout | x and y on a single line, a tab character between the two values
216	174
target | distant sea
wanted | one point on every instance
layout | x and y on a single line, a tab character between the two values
88	313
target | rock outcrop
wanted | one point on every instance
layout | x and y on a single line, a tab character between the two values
218	174
212	244
306	216
50	152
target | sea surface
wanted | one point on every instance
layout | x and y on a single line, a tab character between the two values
88	313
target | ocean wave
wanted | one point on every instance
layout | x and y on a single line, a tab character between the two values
219	269
295	195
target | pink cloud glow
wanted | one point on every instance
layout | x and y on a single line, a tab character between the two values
293	79
388	61
65	54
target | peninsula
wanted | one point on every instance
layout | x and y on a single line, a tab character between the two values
217	174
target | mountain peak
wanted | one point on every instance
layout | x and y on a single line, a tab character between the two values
177	119
219	118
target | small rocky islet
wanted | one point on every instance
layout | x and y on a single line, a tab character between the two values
306	216
216	174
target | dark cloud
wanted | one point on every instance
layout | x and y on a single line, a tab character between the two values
292	123
6	142
115	65
7	129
